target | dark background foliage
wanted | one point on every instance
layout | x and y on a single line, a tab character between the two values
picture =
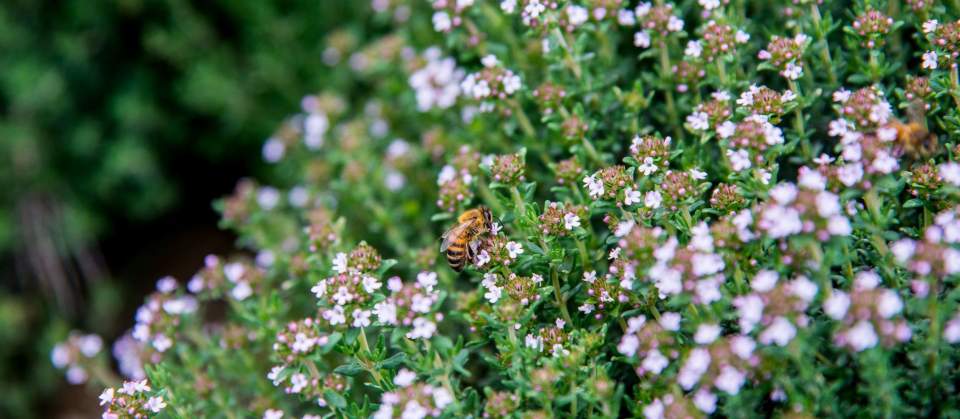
121	121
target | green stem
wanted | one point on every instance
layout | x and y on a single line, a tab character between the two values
568	58
824	45
584	256
955	85
522	118
592	152
561	301
799	122
665	73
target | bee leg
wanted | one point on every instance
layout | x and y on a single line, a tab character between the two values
472	251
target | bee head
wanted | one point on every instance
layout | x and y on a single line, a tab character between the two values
487	216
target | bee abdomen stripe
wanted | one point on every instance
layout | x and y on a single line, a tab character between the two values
451	252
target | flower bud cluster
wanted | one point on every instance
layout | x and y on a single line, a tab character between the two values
135	399
159	318
76	354
412	399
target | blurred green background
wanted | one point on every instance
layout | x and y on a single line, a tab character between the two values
121	121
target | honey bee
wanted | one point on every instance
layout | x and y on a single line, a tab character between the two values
913	137
460	242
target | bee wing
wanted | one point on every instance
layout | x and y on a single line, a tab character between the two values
450	234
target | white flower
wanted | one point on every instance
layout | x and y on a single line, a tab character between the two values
742	37
442	398
624	227
652	200
571	221
514	249
421	303
335	315
534	342
493	294
930	26
272	414
812	180
404	377
750	309
577	15
106	397
587	308
730	380
489	60
654	362
268	197
836	305
706	264
625	17
739	159
590	276
698	174
697	363
303	343
441	21
670	321
631	196
850	174
764	281
841	95
726	129
699	121
162	342
155	404
709	4
386	312
422	328
742	346
273	150
511	83
693	49
320	289
483	258
706	333
241	291
884	163
792	71
594	186
839	225
706	401
674	24
951	331
648	167
668	281
804	288
371	284
437	84
628	344
427	280
298	382
315	125
929	60
508	6
862	336
780	332
654	410
950	172
780	221
889	304
641	39
340	263
361	318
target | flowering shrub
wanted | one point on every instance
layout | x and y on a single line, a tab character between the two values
699	208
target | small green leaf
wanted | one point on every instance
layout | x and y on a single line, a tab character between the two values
334	399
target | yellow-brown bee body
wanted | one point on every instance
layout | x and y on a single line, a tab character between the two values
459	242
